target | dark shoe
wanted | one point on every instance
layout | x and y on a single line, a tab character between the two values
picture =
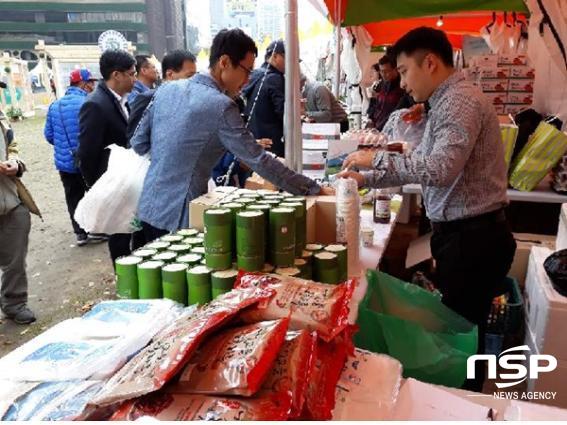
97	237
23	316
82	239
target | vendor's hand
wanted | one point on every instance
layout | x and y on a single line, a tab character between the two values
9	168
352	175
327	191
265	143
362	158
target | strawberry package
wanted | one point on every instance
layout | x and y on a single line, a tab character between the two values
197	407
235	361
293	367
313	306
172	348
330	358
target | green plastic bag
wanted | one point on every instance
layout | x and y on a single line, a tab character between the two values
412	325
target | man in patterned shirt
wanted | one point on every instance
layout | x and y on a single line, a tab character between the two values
460	165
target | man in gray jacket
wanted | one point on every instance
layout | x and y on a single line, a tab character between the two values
321	105
15	224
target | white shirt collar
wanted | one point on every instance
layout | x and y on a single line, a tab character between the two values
122	100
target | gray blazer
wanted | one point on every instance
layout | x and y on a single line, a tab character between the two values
189	126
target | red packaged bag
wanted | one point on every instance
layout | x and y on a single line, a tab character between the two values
235	361
170	350
314	306
197	407
293	367
330	358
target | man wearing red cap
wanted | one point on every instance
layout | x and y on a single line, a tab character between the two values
62	130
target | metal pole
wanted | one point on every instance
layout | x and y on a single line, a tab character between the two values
337	48
292	124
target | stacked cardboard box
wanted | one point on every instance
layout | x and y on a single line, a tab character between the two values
507	80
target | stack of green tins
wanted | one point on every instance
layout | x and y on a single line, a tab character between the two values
266	210
314	247
304	267
222	281
271	202
234	207
127	277
300	225
282	237
172	238
180	249
199	285
193	241
200	250
218	243
326	267
145	254
159	246
165	256
174	282
188	233
149	279
342	257
250	240
190	260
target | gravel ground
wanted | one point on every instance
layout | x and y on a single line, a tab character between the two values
64	280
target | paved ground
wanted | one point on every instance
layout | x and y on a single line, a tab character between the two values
64	280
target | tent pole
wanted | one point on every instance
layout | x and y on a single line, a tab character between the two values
292	128
337	85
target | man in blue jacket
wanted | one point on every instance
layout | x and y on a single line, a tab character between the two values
265	98
62	131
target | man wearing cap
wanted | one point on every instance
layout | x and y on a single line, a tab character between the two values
62	131
265	101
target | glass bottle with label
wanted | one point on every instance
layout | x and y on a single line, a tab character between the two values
382	203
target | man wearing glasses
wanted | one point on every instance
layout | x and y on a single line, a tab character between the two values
102	121
265	119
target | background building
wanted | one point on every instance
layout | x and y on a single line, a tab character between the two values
153	26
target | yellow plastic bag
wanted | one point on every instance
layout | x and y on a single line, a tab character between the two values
544	149
509	136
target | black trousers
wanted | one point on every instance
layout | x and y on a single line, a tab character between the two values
122	244
473	258
152	233
75	189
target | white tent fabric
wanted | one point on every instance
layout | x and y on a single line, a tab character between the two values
548	52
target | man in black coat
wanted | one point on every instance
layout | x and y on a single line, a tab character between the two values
102	122
265	120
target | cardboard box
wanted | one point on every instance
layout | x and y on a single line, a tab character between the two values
197	208
512	60
311	219
494	85
496	98
522	72
525	242
485	61
521	85
494	72
255	182
562	231
546	309
326	220
519	98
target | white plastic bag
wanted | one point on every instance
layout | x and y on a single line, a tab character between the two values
110	205
396	129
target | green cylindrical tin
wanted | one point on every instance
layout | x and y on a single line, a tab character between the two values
188	233
201	235
314	247
282	237
288	271
127	276
198	250
149	279
203	262
222	281
172	238
307	256
342	256
266	210
304	267
234	207
218	242
189	259
326	267
268	268
301	199
145	254
180	249
159	246
300	225
199	285
174	282
165	256
271	202
250	240
278	198
193	241
251	195
267	192
243	191
246	201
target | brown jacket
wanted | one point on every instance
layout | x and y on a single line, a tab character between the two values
12	154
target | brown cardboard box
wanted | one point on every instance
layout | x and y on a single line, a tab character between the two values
524	242
311	219
197	208
255	182
326	220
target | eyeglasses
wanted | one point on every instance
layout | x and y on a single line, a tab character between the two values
248	70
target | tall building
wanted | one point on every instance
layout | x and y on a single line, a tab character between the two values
270	18
153	26
217	10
